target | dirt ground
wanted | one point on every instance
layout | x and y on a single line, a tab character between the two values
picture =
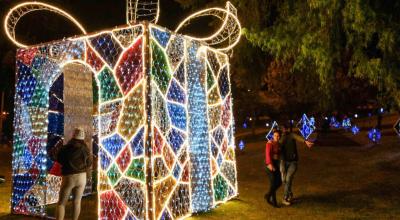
344	177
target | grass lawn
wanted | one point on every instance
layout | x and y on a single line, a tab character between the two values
332	182
5	188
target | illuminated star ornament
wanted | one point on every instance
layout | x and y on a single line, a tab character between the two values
346	123
270	133
374	135
397	127
241	145
355	130
306	126
334	123
156	104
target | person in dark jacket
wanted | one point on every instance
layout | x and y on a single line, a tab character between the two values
272	154
75	159
288	164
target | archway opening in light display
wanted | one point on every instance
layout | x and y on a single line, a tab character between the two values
73	102
51	100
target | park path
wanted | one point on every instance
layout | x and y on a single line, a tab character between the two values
333	182
337	179
336	138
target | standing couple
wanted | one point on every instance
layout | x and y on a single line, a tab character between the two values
281	160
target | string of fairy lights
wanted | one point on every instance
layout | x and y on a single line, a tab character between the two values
227	36
160	101
144	10
306	126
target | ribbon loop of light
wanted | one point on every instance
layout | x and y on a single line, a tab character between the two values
227	36
17	12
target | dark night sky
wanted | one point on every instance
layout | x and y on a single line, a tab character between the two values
94	15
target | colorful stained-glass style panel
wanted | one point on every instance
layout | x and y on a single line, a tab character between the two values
107	47
130	70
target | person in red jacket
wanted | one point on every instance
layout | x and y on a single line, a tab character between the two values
272	154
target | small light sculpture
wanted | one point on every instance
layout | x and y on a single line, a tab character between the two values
306	126
374	135
396	127
346	123
355	130
241	145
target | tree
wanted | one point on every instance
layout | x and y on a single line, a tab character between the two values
337	42
330	38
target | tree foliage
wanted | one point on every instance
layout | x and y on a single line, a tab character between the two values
357	38
334	41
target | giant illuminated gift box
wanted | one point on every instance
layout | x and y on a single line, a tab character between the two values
156	104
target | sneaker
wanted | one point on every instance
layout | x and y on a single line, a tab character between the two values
273	204
270	201
286	202
290	198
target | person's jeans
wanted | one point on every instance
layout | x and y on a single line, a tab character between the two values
288	169
274	182
74	183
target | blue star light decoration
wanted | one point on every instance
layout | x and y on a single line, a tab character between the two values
374	135
346	123
271	130
241	145
306	126
355	130
397	127
334	123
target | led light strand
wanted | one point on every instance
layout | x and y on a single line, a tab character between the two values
139	10
20	10
229	32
